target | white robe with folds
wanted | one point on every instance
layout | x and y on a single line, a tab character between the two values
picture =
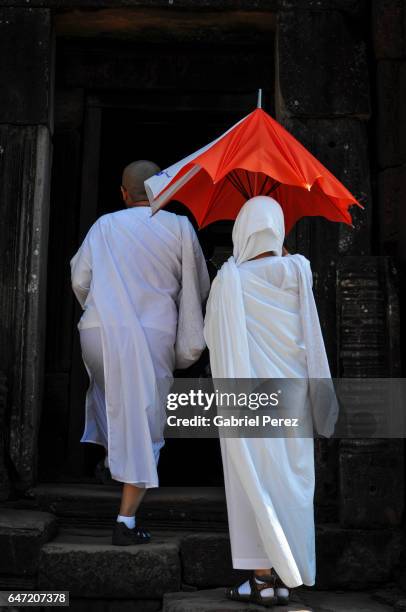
141	280
261	322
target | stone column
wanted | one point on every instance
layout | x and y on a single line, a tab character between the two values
371	470
26	50
389	39
322	97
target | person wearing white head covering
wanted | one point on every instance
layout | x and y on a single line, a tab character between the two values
261	322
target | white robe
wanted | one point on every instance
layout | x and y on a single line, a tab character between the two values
261	322
139	277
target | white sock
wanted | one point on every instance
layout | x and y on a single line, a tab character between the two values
127	520
282	592
245	589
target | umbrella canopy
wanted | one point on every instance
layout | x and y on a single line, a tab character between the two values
256	156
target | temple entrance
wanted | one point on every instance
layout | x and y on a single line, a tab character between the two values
103	122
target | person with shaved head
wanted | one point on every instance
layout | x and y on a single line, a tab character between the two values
141	281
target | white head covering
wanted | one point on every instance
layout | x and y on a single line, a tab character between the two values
259	227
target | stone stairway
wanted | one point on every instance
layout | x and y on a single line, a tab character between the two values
318	601
152	577
62	541
195	508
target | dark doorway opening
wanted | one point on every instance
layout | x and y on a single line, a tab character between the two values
100	128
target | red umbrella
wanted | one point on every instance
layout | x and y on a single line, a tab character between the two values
256	156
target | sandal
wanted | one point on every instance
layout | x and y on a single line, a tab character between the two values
267	582
281	590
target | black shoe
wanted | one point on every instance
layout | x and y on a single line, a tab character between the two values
124	536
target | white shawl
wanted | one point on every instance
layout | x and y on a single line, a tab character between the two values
259	228
139	272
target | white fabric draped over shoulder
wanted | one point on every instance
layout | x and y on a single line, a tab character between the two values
259	228
136	276
261	322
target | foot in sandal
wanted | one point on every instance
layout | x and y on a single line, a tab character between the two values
281	591
258	589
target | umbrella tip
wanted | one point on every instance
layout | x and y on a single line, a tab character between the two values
259	103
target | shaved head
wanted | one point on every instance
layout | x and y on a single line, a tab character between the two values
134	176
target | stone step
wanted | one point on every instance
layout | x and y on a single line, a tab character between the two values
346	558
204	560
22	534
303	600
215	601
86	564
173	508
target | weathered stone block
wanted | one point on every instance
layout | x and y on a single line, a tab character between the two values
355	558
391	116
206	560
388	594
313	78
368	318
341	601
342	146
26	36
18	583
352	7
148	69
371	483
114	605
101	570
326	492
401	577
215	601
164	508
22	534
392	211
388	28
69	109
24	193
246	5
4	477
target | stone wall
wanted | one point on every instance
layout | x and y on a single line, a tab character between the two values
389	43
25	151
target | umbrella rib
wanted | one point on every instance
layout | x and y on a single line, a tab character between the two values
264	183
274	186
232	181
237	184
247	174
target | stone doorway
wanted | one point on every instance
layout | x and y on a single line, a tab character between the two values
102	122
